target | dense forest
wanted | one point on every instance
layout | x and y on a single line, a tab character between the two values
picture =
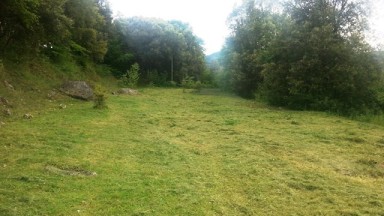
84	31
301	54
304	54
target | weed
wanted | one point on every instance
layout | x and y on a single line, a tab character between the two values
100	102
131	78
189	83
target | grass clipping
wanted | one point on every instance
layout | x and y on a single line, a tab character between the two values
69	171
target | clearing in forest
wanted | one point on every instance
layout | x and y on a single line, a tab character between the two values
167	152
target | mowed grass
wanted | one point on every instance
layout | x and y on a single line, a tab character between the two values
166	152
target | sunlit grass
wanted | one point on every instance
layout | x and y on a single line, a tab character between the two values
165	152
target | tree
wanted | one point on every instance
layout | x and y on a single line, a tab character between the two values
254	26
120	54
90	21
25	26
321	60
131	78
17	22
192	55
55	26
312	55
165	50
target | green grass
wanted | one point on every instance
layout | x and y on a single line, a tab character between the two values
165	152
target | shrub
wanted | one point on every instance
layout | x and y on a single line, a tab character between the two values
189	83
131	78
99	101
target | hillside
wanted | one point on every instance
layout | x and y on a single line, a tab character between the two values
169	152
31	86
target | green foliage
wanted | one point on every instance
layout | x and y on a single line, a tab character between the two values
316	67
19	20
83	31
168	47
29	27
89	27
312	57
119	56
131	78
208	78
189	83
254	28
100	101
155	78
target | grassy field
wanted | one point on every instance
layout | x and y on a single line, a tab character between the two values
166	152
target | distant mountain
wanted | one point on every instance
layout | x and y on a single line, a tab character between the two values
214	57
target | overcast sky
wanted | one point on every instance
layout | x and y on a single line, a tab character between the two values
377	23
208	17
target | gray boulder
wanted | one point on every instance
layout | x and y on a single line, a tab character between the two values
77	89
127	91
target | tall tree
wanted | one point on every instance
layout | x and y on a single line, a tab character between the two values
88	31
321	61
192	54
312	55
166	50
254	26
17	21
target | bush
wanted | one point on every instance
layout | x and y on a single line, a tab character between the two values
189	83
100	102
131	78
157	79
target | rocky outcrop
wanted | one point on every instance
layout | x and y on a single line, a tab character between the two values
77	89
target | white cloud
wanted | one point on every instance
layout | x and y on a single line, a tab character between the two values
376	36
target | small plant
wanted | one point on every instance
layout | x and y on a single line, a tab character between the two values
198	86
131	78
189	83
100	102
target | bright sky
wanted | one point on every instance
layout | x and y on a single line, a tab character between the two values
208	17
377	24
